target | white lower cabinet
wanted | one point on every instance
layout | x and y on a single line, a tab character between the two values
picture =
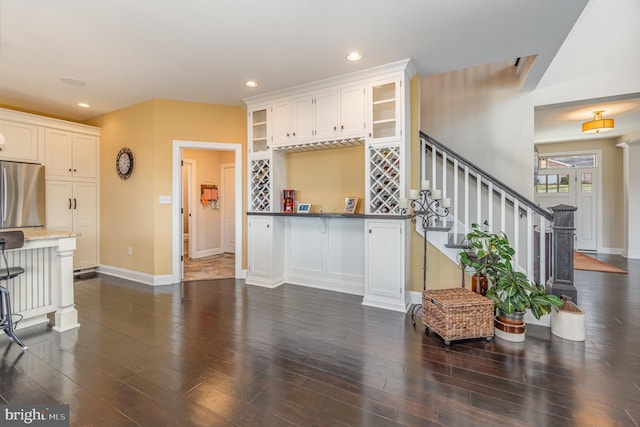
73	206
385	266
266	249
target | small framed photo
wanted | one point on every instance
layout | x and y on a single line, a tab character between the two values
350	204
304	207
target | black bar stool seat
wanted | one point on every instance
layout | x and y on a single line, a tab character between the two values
9	240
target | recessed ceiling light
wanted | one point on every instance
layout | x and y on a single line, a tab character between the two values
251	83
354	56
83	105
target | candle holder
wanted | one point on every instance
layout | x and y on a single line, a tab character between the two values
426	210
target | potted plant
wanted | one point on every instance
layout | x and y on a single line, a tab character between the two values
481	252
513	294
490	256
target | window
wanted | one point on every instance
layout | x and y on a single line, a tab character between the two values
578	160
586	182
553	183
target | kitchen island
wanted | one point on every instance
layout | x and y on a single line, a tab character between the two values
47	285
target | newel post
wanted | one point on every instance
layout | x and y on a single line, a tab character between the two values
564	228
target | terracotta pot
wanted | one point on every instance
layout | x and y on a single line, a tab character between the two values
479	284
509	327
515	318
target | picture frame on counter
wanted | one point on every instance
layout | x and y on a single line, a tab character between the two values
350	204
304	208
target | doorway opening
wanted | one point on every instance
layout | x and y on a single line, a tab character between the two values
208	199
573	179
195	242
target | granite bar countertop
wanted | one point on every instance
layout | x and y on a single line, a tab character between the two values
328	215
33	233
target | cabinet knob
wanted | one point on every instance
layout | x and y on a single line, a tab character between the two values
294	134
287	133
69	202
341	127
69	169
268	225
75	170
335	128
369	134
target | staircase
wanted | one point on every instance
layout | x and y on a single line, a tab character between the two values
476	197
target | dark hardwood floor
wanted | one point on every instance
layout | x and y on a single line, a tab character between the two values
233	354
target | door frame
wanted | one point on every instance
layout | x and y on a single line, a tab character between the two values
224	230
176	217
598	153
190	164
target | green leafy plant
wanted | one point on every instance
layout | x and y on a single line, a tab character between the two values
483	250
491	255
514	293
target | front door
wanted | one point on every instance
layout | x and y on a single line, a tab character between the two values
574	187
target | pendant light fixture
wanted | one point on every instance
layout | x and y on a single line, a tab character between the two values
598	124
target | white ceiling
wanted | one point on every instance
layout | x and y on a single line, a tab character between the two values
128	52
203	51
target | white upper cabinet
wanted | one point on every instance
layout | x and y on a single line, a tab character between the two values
68	154
352	116
258	130
314	117
21	141
326	115
85	156
344	111
302	119
280	121
385	118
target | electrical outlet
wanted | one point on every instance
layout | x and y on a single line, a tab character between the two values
130	251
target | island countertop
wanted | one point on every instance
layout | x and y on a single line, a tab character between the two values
43	233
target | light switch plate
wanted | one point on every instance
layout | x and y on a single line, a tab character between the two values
165	200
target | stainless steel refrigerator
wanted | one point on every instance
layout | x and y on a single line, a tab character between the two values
22	199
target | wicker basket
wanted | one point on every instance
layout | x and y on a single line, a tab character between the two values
457	314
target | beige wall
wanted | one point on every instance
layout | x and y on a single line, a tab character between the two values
130	213
441	271
612	184
325	178
481	114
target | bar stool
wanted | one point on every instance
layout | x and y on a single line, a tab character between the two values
9	240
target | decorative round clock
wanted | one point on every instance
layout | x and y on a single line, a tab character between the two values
124	163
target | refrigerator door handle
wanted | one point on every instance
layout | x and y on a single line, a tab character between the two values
4	194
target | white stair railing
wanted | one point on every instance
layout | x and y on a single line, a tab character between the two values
478	197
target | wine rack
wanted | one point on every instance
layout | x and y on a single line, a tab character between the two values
260	185
384	180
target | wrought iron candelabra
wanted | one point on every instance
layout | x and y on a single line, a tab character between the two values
420	206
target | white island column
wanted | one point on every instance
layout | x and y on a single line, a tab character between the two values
62	282
47	284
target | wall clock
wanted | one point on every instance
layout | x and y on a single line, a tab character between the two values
124	163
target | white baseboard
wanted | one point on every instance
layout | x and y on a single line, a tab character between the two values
613	251
329	284
136	276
